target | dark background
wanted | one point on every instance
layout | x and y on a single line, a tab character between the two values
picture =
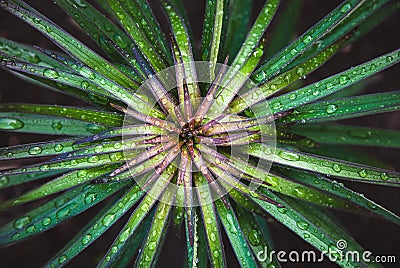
379	236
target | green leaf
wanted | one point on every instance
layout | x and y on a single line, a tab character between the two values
327	166
82	94
133	245
181	35
351	107
61	183
125	12
196	249
97	226
98	27
289	53
71	45
308	227
338	190
238	24
235	234
137	217
212	30
328	85
283	80
285	28
210	221
38	149
255	236
255	34
51	125
152	243
59	209
11	180
83	114
349	135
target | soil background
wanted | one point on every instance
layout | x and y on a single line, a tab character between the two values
379	236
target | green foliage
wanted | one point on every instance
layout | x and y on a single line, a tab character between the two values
161	155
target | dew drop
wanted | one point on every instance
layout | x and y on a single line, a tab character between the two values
362	173
384	177
343	79
90	198
62	259
86	239
213	237
108	219
291	156
302	225
254	238
79	3
50	73
57	125
30	229
35	150
336	168
307	39
65	211
11	123
4	181
22	222
58	147
46	221
331	108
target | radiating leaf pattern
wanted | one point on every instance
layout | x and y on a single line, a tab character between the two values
219	159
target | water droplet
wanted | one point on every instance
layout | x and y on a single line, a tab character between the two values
90	198
93	128
343	79
11	123
22	222
79	3
384	177
98	148
30	229
108	219
58	147
124	235
4	181
57	125
82	173
213	237
331	108
291	156
50	73
216	253
336	168
93	159
44	167
86	239
302	225
62	259
360	134
298	192
35	150
152	245
65	211
362	173
86	72
345	8
307	39
46	221
254	237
